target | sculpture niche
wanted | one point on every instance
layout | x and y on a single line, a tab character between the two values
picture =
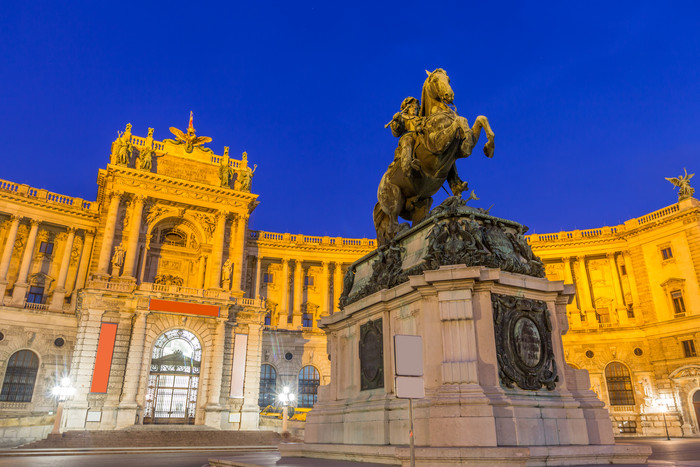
424	161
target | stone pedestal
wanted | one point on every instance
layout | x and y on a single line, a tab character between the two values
497	388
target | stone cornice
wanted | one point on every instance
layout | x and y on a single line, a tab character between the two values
165	187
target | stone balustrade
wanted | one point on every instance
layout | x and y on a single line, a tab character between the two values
286	238
47	196
603	231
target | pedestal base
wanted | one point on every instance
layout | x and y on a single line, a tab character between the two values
473	456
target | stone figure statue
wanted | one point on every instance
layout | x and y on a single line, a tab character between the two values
118	258
445	137
405	125
189	139
123	147
226	270
683	183
147	153
246	177
225	170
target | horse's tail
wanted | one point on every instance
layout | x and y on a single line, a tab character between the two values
381	221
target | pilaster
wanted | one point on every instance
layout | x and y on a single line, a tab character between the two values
134	230
128	405
108	236
20	290
7	253
60	292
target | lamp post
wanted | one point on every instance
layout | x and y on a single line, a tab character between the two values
286	397
664	407
61	392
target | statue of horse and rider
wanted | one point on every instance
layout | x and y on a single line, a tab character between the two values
430	142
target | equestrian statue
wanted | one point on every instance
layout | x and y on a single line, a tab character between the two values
432	136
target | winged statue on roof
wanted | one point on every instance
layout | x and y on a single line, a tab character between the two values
683	183
189	139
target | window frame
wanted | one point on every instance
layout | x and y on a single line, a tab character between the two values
19	381
307	386
618	380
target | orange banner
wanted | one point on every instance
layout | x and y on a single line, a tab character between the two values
103	360
182	307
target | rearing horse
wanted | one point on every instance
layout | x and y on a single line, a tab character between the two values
445	138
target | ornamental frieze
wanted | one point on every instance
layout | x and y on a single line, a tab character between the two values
456	234
523	331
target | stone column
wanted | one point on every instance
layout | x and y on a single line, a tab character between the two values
325	310
337	286
144	258
258	265
586	302
82	366
108	236
619	301
200	275
81	275
128	406
239	250
133	242
20	290
284	305
250	412
298	291
213	408
7	253
217	252
60	291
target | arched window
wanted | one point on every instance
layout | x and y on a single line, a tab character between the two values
18	385
619	384
308	386
268	385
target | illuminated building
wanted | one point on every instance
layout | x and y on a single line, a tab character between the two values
164	307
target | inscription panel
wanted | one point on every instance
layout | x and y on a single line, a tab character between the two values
371	355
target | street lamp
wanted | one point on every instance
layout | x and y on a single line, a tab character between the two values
61	392
664	407
286	397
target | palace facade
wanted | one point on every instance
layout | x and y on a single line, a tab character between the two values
161	305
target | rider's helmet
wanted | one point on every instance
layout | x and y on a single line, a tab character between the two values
408	101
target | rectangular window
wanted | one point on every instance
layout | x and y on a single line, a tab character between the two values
678	303
309	281
630	311
268	277
603	315
689	348
46	248
35	295
666	253
627	426
307	320
623	270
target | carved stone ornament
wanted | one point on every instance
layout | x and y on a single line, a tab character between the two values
459	235
523	332
371	355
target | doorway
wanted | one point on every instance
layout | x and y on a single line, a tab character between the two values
173	381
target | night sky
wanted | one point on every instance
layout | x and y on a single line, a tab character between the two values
593	104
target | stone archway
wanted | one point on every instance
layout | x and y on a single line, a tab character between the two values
173	380
686	380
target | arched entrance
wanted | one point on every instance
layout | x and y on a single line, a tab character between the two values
696	406
171	396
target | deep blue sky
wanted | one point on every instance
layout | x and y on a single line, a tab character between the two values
592	104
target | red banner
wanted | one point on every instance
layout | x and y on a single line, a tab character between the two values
103	360
182	307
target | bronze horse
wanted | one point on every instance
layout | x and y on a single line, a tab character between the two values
445	137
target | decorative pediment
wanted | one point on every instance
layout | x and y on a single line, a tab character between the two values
673	283
40	278
690	371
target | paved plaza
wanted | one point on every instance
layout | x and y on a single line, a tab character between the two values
676	452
